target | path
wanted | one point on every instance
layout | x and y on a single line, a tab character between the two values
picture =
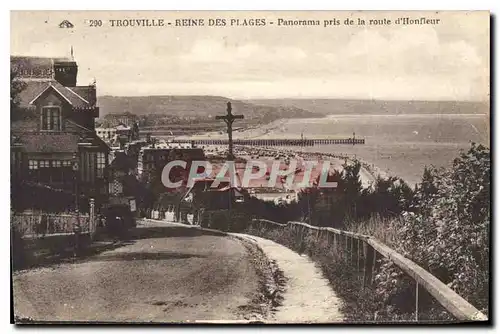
308	297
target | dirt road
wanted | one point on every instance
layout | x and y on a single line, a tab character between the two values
165	273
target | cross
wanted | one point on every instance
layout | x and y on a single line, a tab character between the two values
229	119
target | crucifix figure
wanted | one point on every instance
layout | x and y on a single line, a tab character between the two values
229	119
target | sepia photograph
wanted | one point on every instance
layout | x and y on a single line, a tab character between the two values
250	167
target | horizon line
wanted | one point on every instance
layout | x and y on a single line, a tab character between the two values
304	98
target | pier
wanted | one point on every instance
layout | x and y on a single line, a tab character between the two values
275	142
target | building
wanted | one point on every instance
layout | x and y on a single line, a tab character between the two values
106	134
123	188
155	158
54	141
119	135
126	118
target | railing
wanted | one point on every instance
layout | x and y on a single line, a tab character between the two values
364	251
32	225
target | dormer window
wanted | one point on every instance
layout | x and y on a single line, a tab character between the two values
51	118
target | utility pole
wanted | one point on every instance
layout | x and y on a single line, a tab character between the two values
229	119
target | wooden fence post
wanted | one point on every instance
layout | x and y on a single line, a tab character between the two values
359	255
416	301
369	261
352	249
346	247
92	220
374	266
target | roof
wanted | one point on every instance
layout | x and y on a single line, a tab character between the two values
38	75
32	67
121	127
59	142
37	67
50	142
78	97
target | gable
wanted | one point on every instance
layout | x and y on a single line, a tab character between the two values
50	96
36	90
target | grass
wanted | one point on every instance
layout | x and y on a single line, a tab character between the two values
381	228
361	303
358	305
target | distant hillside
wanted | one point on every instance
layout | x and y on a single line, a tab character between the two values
196	106
339	106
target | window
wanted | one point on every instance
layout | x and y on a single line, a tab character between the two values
33	164
101	164
56	163
44	163
51	117
67	163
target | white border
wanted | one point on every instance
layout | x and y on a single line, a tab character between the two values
203	5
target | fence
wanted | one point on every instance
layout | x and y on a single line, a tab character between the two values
364	251
32	225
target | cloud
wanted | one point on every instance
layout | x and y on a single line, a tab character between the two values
408	51
216	51
410	62
447	61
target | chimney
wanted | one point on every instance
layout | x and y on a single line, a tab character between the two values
66	72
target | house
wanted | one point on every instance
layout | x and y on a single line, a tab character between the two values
119	135
106	134
155	158
54	142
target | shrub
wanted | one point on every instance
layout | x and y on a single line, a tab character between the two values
448	232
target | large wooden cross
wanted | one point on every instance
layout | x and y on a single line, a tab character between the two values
229	119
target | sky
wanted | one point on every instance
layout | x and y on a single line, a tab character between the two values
446	61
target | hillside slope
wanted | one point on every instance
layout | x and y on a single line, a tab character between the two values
361	107
197	106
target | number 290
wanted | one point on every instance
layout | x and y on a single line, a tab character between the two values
95	23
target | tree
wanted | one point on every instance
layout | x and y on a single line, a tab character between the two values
16	87
448	233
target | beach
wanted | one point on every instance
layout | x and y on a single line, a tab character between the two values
397	145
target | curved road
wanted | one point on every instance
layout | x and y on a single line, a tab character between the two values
163	274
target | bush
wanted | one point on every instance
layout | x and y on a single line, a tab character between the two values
443	225
448	231
19	253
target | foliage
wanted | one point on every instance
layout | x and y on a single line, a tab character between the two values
360	303
349	201
19	255
16	87
443	225
446	231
